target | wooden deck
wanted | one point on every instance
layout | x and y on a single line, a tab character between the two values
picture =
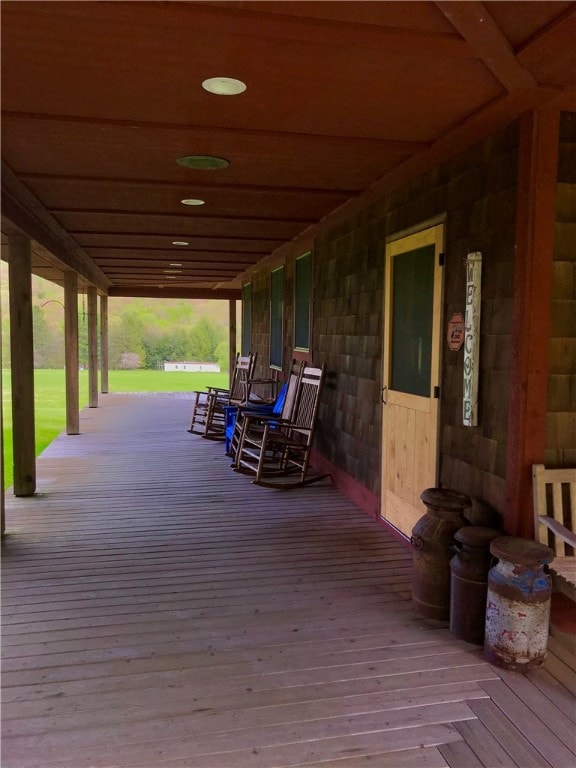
159	610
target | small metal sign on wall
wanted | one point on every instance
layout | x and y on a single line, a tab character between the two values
472	339
455	335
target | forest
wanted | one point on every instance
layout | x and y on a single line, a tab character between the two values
143	333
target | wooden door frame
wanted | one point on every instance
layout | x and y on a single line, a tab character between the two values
417	235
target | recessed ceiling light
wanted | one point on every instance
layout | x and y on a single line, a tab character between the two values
192	201
170	277
171	271
203	162
224	86
175	264
180	242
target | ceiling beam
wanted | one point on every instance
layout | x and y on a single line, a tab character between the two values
185	185
486	39
201	276
23	212
175	293
556	35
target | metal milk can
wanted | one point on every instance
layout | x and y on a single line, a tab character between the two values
518	604
432	547
469	582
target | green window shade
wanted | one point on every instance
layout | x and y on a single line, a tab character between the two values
276	317
302	291
412	314
246	318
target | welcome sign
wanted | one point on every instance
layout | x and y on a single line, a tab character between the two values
472	339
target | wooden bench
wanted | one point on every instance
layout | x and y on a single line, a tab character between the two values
555	522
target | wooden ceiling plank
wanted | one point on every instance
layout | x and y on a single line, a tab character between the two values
383	144
105	261
548	40
229	23
176	255
485	121
187	267
198	186
209	217
147	235
474	23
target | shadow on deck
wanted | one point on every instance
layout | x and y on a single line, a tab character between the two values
159	610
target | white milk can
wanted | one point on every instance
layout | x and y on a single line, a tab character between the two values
518	604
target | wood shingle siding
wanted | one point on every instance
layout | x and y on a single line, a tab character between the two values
477	191
561	425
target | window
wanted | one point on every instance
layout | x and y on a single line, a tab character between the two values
276	317
302	293
246	318
412	318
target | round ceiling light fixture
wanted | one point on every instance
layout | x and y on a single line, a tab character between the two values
203	162
192	201
224	86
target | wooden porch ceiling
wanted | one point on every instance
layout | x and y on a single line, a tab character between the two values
344	100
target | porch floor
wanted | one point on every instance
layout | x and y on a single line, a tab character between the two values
159	610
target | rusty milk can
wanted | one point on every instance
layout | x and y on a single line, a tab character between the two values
518	604
432	547
469	582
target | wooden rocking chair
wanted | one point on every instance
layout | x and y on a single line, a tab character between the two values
282	408
208	416
277	451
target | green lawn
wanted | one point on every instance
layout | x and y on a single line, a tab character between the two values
50	412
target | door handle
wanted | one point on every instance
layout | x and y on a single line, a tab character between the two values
384	391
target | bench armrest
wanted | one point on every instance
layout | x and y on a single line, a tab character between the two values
558	530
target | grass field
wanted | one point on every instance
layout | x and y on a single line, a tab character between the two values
50	411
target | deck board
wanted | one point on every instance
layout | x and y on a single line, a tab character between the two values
160	610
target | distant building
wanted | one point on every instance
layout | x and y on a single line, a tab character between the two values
195	367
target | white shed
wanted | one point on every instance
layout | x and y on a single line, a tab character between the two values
195	367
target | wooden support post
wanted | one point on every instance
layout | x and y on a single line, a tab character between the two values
92	347
232	336
22	356
2	506
104	344
533	270
71	352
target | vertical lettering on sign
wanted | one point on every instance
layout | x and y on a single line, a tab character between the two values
472	339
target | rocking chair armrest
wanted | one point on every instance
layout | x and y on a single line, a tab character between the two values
262	381
248	409
218	390
268	417
254	398
256	410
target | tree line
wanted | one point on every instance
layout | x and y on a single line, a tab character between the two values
143	333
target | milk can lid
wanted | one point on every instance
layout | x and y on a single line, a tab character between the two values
476	535
521	551
445	498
